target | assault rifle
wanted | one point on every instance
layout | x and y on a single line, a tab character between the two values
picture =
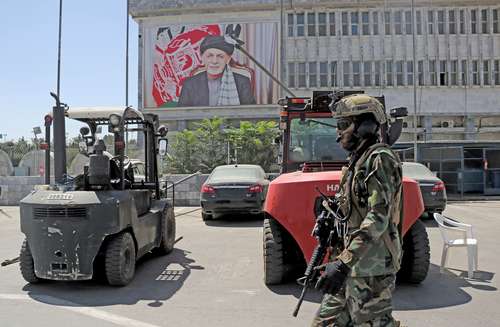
326	233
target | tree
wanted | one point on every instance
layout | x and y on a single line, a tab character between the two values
212	149
184	159
206	147
255	143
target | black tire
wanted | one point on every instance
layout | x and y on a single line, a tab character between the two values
27	265
120	260
416	255
274	263
206	216
168	231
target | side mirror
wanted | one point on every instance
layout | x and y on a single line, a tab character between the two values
84	131
162	147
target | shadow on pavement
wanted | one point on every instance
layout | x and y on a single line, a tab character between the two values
438	291
156	279
236	220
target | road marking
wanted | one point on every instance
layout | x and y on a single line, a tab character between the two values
71	306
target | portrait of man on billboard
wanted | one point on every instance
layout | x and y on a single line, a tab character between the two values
201	66
219	82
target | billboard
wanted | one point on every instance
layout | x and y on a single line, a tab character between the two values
199	65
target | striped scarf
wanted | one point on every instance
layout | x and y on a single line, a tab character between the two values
228	93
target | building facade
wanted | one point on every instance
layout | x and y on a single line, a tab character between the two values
441	59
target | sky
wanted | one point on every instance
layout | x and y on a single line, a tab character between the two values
92	59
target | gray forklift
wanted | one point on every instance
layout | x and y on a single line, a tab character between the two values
103	215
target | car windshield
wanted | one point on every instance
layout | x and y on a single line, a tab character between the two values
414	170
234	173
314	140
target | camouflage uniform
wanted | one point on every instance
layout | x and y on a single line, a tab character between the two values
373	246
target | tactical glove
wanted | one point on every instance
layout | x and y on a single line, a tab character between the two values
333	278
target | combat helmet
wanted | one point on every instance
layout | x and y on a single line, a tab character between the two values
358	104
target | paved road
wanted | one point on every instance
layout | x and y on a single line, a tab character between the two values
214	278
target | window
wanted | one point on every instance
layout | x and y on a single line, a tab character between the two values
367	73
291	74
375	22
345	24
322	24
388	73
399	73
347	72
311	24
496	72
408	22
290	25
484	21
462	21
473	21
420	72
430	22
323	74
475	72
387	22
440	21
356	73
465	72
409	73
333	30
454	72
443	73
354	23
313	75
486	72
495	21
300	25
398	29
302	74
419	22
432	72
333	74
452	22
365	20
376	76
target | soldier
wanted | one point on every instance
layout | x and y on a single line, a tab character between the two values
358	282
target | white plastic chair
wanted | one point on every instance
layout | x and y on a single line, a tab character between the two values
447	227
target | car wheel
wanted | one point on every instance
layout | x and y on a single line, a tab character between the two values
168	230
120	260
416	255
27	265
206	216
274	264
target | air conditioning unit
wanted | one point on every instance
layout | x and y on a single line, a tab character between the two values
447	124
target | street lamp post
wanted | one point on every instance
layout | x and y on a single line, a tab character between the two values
415	138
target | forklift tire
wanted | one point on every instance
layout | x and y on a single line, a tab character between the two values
120	260
416	255
27	264
274	264
168	231
206	216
